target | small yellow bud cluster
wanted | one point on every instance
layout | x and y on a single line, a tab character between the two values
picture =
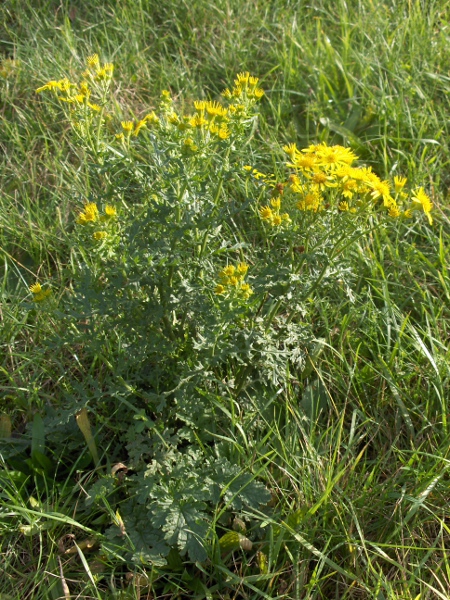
189	146
96	71
210	116
232	280
91	215
272	215
129	127
39	295
245	86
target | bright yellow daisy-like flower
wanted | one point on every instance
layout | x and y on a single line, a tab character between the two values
99	235
228	271
276	203
93	61
38	293
399	183
242	268
421	200
305	161
276	220
242	78
198	121
291	150
127	126
110	211
224	133
89	215
381	189
35	288
394	211
266	213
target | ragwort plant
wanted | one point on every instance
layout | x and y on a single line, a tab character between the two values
189	304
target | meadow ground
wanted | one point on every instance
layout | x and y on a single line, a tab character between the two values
173	439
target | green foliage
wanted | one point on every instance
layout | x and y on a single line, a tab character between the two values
164	432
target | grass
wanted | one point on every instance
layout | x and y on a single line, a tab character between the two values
360	489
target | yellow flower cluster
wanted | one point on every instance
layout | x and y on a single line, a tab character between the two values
325	173
39	295
210	116
245	87
232	279
91	215
130	128
272	215
78	95
96	71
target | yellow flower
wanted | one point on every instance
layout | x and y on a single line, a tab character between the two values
381	189
394	211
399	183
35	288
142	123
224	133
95	107
200	106
234	281
220	289
246	290
152	118
110	211
349	187
310	201
215	109
305	161
41	296
242	78
334	155
228	271
38	293
421	200
90	214
198	121
291	150
99	235
276	203
173	118
242	268
93	61
343	206
62	85
127	126
266	213
276	220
